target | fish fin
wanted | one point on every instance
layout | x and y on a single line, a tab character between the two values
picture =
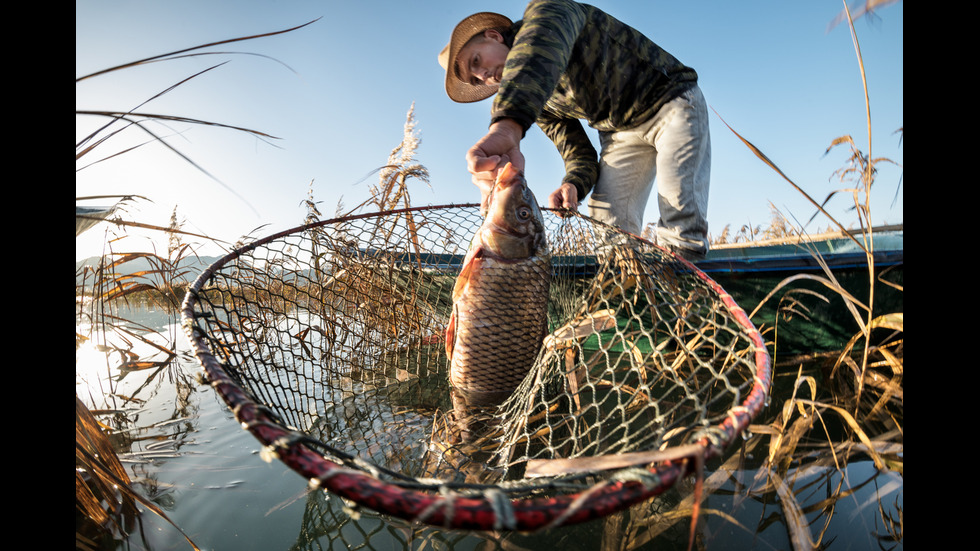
467	271
451	334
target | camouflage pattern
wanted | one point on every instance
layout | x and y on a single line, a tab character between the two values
571	62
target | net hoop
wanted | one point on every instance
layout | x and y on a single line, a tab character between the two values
444	506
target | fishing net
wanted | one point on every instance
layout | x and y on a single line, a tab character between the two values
327	343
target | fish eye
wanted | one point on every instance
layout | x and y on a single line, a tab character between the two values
524	213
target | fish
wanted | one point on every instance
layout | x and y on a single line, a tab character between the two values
499	314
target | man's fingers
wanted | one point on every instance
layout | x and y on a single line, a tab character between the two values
565	197
516	158
479	162
554	200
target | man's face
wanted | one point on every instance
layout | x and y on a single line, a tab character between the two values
481	60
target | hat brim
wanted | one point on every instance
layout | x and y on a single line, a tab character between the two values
473	25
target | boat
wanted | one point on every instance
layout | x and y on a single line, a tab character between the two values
782	284
87	217
790	287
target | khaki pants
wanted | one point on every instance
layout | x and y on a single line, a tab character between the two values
673	147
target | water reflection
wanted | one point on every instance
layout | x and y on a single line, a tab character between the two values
186	453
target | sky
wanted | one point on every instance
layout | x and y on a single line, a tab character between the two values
334	97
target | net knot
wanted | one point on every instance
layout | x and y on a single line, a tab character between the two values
446	500
270	452
503	509
716	437
649	479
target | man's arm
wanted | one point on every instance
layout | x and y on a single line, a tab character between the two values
576	150
537	59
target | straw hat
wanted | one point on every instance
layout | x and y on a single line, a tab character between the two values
473	25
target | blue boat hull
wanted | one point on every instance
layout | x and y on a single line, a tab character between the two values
806	316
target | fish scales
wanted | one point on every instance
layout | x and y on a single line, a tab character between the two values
500	301
500	325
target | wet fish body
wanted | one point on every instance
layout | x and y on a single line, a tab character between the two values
500	300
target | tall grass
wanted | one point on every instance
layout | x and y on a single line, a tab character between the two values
105	501
852	408
779	227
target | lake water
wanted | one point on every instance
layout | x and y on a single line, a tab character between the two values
186	453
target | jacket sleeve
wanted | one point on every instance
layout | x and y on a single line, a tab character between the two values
580	157
538	57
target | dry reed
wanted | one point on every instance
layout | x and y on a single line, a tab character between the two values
858	412
104	495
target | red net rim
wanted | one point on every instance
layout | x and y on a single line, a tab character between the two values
456	511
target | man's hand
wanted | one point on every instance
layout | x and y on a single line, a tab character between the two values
501	144
565	196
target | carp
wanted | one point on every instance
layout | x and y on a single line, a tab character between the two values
500	300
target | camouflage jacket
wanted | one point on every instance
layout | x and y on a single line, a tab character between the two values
570	62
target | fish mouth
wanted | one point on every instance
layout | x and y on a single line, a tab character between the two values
509	194
505	229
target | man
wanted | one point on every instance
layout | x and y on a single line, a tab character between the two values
565	62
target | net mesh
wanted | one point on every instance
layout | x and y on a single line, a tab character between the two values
327	342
